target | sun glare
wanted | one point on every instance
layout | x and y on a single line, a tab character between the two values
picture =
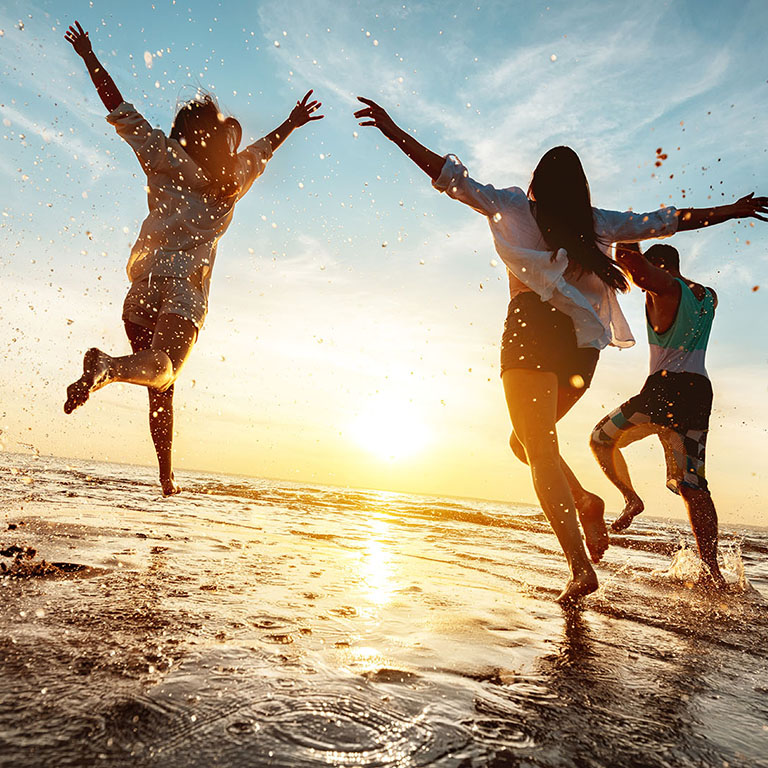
390	428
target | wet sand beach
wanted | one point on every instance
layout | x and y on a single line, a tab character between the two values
256	622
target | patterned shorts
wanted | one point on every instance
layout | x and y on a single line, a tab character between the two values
676	407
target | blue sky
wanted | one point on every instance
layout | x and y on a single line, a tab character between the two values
346	283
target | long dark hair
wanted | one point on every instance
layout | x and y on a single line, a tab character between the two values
564	214
211	140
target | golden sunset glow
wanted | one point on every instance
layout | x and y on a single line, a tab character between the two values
355	312
391	428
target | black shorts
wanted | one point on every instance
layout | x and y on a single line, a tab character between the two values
539	337
676	408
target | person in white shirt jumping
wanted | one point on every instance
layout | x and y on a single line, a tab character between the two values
563	311
195	176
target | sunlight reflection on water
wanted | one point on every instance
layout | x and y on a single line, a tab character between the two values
254	622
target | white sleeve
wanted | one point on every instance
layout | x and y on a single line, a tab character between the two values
150	144
629	227
456	182
251	163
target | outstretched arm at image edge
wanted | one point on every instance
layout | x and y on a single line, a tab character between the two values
748	206
105	85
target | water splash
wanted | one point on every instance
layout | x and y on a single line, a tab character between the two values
686	568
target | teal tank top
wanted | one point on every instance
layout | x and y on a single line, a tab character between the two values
682	348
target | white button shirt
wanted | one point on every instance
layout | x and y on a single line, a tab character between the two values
585	298
179	236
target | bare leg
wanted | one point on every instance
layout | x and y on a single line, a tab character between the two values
161	429
532	403
703	517
160	414
590	506
615	468
156	367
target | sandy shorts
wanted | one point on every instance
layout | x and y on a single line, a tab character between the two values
675	407
154	296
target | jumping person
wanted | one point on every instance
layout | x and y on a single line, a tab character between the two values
195	175
563	310
676	399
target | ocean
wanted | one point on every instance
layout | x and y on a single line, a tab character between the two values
254	622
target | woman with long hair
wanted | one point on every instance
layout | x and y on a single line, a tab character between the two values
563	311
195	175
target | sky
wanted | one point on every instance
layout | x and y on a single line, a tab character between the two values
355	313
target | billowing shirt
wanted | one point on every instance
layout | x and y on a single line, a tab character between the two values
179	236
584	297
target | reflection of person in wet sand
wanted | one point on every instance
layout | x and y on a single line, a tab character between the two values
563	311
195	175
676	399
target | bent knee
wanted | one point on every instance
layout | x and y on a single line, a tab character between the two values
517	448
162	372
599	436
540	452
162	396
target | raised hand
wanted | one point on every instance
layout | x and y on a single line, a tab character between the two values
302	113
79	39
750	206
378	117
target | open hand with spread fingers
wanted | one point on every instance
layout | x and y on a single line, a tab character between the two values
304	111
377	117
373	114
750	206
79	38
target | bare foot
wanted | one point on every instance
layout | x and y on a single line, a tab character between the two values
591	509
96	374
578	587
170	486
632	509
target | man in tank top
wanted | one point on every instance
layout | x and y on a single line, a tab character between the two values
676	399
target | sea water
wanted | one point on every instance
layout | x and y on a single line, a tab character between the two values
253	622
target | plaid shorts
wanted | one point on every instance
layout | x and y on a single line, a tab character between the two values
676	407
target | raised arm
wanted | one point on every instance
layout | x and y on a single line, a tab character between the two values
447	173
300	115
429	162
643	274
746	207
105	86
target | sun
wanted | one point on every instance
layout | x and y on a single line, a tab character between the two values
390	427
